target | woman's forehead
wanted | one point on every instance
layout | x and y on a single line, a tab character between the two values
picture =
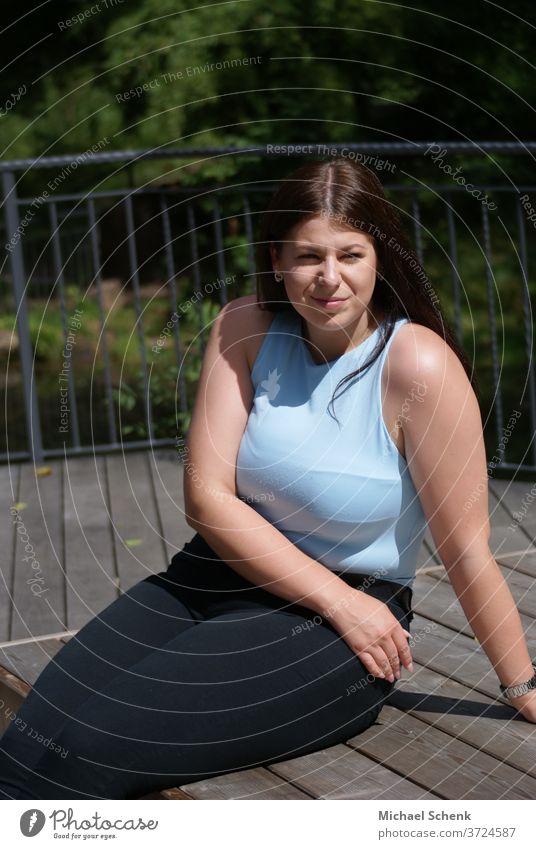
322	231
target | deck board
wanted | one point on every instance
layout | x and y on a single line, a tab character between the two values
39	586
467	714
342	773
138	538
523	562
439	762
512	494
247	784
436	600
521	586
27	660
91	574
9	495
167	474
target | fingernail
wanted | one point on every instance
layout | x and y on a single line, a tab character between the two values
410	667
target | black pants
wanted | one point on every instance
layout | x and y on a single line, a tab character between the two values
191	673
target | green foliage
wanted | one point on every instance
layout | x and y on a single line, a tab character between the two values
322	71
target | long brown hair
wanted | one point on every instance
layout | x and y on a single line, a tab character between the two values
349	194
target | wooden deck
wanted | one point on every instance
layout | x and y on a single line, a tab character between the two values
99	525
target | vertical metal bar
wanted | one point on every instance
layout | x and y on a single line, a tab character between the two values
499	418
16	260
416	212
197	277
134	276
220	256
249	237
456	280
170	262
97	276
527	326
58	273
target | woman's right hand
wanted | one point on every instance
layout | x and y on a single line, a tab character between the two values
373	633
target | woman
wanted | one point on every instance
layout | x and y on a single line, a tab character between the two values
281	627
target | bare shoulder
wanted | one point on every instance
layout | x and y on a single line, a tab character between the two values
250	323
419	364
417	352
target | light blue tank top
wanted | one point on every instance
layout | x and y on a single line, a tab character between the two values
340	491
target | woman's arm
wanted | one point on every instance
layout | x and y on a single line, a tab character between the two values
496	624
447	462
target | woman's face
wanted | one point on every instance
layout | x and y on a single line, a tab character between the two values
322	262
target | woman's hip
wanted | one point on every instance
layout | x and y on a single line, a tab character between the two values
198	572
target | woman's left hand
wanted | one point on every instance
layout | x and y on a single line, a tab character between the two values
526	705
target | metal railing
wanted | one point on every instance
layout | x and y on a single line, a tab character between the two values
180	213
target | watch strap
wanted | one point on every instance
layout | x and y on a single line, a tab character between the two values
519	689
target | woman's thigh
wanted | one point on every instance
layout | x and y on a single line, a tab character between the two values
135	625
243	688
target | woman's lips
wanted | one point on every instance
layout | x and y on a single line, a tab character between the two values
332	302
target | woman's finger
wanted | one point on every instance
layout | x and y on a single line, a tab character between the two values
382	660
391	651
370	663
403	650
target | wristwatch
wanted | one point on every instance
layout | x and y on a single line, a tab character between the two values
519	689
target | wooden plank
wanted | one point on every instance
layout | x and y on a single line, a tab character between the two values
503	498
340	772
174	793
464	713
59	635
39	585
257	783
458	656
506	535
9	495
8	681
442	764
138	538
28	660
518	497
13	691
521	586
168	474
524	562
436	600
91	574
428	555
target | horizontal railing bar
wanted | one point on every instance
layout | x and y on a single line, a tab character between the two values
188	191
268	187
394	148
106	448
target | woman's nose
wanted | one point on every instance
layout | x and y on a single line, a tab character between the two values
330	272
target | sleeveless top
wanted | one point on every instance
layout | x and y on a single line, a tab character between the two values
339	490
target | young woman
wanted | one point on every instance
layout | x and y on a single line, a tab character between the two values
335	418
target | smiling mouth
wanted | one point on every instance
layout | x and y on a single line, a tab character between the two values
330	300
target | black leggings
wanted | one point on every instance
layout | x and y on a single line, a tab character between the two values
193	672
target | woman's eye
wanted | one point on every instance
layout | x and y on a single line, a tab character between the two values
344	256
